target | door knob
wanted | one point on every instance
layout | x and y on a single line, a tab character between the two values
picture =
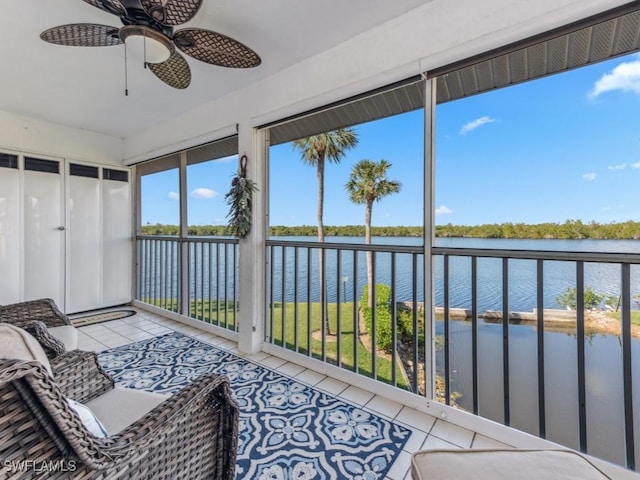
61	228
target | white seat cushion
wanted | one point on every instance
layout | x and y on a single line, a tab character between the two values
19	344
120	407
503	464
88	418
67	334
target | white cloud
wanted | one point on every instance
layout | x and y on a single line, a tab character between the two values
635	165
204	193
229	159
624	77
614	168
443	210
589	177
478	122
173	196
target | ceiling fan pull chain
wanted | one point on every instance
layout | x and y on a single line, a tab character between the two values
126	76
144	43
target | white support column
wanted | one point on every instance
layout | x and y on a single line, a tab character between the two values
136	229
184	232
429	185
252	256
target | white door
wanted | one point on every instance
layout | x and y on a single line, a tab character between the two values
44	230
116	235
84	243
10	237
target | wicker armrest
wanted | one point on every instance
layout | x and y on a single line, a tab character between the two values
43	310
201	419
51	345
79	375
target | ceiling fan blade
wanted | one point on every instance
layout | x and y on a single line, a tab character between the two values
171	12
110	6
215	48
82	35
175	71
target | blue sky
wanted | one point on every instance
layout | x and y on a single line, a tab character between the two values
563	147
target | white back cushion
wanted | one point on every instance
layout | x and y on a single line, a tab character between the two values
19	344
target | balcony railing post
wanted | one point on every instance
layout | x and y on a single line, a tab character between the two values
474	333
356	318
580	335
394	321
627	366
309	304
542	422
185	277
339	301
283	298
505	341
296	297
374	317
447	335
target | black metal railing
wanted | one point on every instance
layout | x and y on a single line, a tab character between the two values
194	276
159	275
619	445
314	293
505	349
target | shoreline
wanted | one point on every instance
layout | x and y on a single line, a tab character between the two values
555	320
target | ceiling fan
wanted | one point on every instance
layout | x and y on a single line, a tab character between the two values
153	22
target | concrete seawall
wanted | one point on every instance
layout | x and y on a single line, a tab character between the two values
554	315
556	319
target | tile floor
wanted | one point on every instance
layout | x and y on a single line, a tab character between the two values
428	431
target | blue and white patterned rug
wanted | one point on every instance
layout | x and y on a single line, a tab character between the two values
287	430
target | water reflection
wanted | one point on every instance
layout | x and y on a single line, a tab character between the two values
604	392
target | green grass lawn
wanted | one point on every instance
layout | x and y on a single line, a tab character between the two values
298	339
215	312
635	316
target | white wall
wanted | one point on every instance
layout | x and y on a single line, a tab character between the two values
27	135
433	35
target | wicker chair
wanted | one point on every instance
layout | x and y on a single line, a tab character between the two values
191	435
43	310
41	318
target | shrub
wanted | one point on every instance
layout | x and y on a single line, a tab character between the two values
384	319
384	339
570	298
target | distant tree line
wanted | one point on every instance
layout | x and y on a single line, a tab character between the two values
280	230
346	231
569	230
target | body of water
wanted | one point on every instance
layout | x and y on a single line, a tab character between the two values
604	279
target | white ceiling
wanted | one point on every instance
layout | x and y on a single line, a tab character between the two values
84	87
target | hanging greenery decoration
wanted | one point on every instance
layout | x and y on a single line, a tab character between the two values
239	200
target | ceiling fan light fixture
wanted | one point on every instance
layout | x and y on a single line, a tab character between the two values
152	45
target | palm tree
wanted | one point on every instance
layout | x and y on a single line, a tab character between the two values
368	183
315	151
